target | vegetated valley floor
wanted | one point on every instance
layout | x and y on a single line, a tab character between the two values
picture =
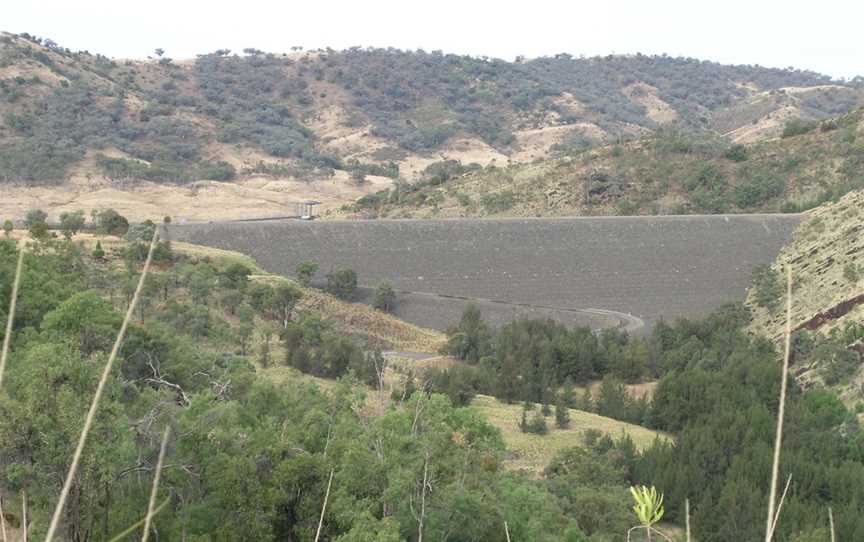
601	272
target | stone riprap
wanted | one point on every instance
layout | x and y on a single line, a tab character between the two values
648	267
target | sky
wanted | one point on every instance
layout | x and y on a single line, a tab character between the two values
823	36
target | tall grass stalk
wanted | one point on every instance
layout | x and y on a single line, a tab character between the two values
831	524
778	441
100	388
152	504
24	515
324	507
2	521
11	317
132	528
687	518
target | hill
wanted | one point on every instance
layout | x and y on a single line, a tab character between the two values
335	125
826	256
668	172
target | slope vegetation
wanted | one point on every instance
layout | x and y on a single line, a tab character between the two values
359	117
826	256
670	172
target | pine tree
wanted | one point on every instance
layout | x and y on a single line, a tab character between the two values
562	412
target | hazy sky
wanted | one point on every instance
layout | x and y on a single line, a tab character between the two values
824	35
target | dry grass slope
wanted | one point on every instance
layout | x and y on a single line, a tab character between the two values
533	452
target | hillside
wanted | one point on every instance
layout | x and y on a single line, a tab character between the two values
826	256
669	172
271	129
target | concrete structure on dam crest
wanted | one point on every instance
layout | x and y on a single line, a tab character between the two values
602	272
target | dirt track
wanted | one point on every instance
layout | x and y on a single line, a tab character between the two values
611	271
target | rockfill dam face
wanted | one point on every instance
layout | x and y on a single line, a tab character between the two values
606	271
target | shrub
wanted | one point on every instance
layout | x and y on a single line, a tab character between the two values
756	189
767	287
217	171
537	424
498	202
796	127
385	297
110	222
342	283
71	223
305	272
737	153
35	216
852	272
98	253
8	226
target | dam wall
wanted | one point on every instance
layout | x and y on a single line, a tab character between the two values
596	271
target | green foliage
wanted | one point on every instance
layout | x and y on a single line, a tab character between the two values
35	216
796	127
385	297
98	253
537	424
767	287
852	272
723	412
110	222
470	338
649	505
217	171
8	226
305	272
562	412
498	202
737	153
141	233
342	283
71	223
757	188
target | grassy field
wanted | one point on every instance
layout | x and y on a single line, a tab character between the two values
533	452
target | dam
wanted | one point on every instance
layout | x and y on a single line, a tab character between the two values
626	272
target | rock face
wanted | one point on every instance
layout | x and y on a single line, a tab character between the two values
575	269
826	255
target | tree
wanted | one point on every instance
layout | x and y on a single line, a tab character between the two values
385	297
159	52
86	317
35	216
39	231
235	276
110	222
285	298
141	233
470	339
71	223
342	283
98	252
305	272
8	226
562	412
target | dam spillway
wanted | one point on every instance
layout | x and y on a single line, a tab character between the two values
596	271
